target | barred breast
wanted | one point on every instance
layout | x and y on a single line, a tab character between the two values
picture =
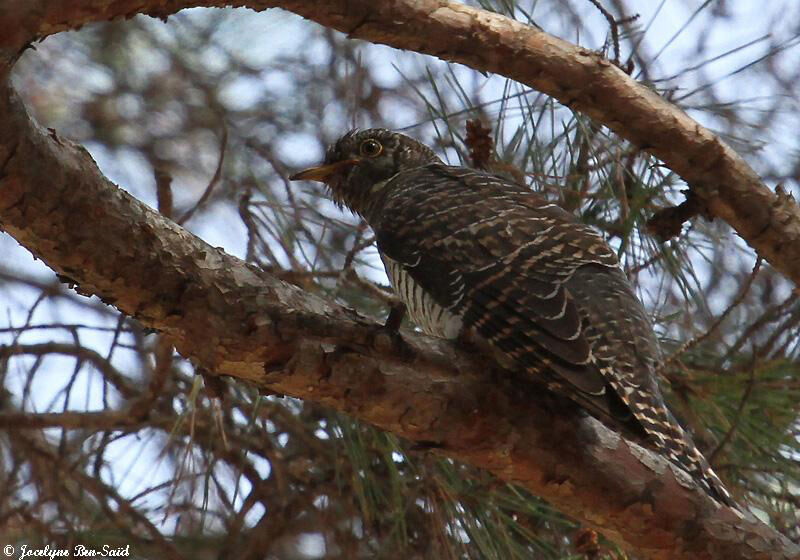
431	317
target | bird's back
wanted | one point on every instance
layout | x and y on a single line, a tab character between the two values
470	250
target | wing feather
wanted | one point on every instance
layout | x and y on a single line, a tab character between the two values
543	289
502	264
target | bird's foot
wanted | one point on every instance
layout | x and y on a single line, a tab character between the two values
388	334
397	312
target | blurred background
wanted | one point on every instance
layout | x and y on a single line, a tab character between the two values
205	115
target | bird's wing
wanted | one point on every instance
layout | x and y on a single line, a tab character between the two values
505	260
543	289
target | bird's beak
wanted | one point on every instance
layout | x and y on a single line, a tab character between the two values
322	173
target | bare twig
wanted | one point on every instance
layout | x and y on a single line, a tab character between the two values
214	179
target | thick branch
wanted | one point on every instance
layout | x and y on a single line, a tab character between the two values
577	77
234	319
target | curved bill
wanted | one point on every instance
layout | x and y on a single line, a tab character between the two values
322	172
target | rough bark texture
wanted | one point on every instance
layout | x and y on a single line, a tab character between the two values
233	319
577	77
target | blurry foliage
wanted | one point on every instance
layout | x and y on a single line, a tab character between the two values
220	106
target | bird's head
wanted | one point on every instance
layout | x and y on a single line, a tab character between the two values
357	166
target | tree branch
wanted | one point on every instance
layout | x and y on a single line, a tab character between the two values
579	78
234	319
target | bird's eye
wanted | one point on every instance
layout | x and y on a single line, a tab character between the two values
370	148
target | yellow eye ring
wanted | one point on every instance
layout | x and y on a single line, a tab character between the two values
370	148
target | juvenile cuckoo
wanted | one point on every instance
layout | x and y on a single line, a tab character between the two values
472	252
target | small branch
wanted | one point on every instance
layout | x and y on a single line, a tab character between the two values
613	26
106	420
212	183
668	222
109	372
163	191
103	495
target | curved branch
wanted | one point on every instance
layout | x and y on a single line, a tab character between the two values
237	320
579	78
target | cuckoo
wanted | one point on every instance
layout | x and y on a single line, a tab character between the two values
470	252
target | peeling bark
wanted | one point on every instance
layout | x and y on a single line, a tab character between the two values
236	320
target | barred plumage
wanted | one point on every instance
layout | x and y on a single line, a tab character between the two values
468	250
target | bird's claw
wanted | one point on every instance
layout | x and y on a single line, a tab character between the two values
389	332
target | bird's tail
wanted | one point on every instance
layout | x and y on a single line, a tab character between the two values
677	445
